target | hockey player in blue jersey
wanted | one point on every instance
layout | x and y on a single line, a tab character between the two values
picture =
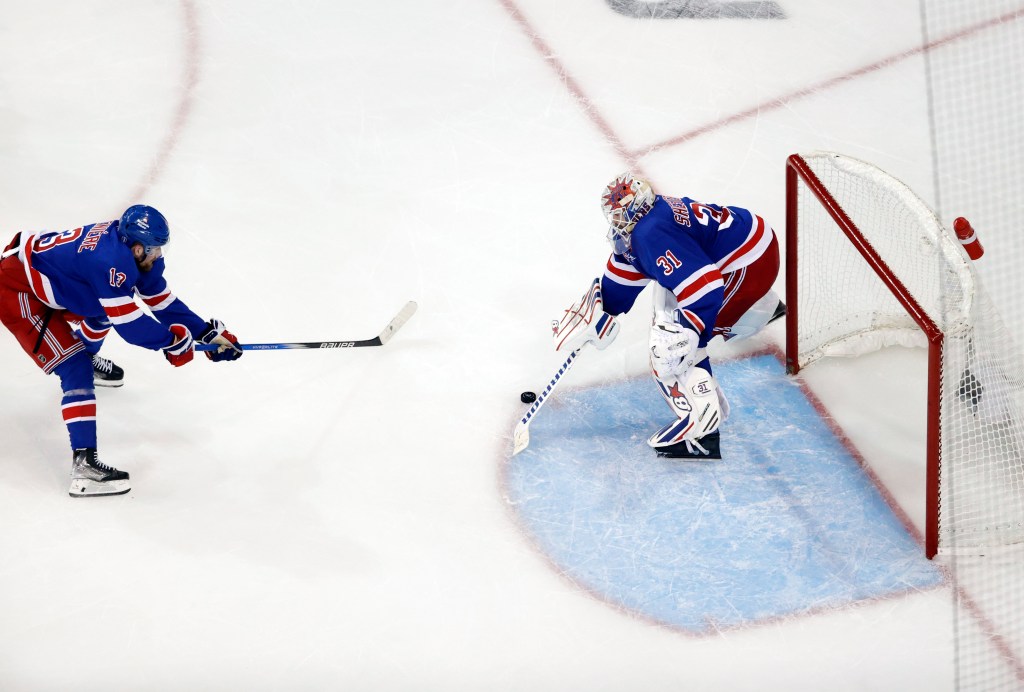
89	277
712	267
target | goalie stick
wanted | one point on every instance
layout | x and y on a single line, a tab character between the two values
521	436
393	326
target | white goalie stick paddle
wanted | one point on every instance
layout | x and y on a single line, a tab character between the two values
393	326
521	436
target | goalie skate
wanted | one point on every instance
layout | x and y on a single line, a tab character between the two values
706	447
90	477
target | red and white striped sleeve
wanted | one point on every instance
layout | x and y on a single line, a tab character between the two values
154	290
621	284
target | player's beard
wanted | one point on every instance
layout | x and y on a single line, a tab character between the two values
148	260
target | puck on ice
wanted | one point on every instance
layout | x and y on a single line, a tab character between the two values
528	397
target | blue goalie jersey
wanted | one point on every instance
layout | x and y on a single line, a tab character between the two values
90	272
685	246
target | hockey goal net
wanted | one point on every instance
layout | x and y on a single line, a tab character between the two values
869	265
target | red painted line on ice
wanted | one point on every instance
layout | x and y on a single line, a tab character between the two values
551	58
990	629
779	102
633	157
714	628
190	79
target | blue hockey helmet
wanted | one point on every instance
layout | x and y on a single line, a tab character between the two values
144	225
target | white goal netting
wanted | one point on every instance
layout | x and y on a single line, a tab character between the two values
976	93
872	266
847	306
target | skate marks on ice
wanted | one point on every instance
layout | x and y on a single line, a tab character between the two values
787	523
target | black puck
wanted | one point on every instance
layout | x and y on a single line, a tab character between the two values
528	397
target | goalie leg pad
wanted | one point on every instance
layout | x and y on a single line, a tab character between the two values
766	309
698	407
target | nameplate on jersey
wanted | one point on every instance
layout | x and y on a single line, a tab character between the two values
92	238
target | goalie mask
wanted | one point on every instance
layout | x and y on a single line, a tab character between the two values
624	202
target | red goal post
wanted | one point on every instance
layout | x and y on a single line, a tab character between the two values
869	265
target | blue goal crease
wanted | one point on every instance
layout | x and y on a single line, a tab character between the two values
786	523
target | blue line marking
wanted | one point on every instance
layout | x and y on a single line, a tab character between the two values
786	523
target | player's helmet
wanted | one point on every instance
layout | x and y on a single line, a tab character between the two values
624	202
145	225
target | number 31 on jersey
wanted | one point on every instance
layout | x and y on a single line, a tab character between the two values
668	262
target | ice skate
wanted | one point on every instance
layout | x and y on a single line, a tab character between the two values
706	447
780	312
105	373
90	477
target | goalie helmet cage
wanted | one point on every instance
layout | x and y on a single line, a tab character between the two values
869	265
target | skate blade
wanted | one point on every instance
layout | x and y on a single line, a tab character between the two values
83	487
108	383
684	456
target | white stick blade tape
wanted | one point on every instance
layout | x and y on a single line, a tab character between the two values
520	438
401	318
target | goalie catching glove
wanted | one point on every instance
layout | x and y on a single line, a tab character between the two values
226	342
585	322
673	347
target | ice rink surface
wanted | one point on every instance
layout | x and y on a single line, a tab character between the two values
343	520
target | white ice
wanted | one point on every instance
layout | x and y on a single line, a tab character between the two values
334	520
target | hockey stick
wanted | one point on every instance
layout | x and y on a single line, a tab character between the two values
393	326
521	436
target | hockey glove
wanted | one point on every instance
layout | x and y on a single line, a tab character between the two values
180	350
217	333
585	322
672	350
